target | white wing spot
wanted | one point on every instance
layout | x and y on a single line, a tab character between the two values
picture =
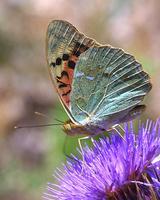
91	78
79	74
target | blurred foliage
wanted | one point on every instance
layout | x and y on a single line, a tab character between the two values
29	156
6	48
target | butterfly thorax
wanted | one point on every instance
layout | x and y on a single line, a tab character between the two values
72	129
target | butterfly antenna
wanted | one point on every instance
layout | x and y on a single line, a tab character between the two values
59	120
37	126
43	115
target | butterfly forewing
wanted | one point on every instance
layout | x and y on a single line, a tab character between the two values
64	46
108	84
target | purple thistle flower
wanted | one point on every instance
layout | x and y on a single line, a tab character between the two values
114	168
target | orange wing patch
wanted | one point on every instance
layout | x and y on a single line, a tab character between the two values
64	44
64	82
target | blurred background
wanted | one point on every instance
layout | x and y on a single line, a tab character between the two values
28	157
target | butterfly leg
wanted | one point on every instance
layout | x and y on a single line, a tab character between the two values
115	127
70	157
64	147
81	149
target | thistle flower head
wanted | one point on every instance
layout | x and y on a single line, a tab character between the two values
114	168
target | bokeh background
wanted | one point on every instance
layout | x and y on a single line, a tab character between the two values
28	157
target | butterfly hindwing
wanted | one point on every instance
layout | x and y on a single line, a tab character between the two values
108	84
64	46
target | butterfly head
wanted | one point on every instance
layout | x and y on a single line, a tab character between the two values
73	129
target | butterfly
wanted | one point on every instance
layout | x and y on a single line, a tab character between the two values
98	85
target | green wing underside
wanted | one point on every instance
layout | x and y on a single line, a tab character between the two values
107	82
